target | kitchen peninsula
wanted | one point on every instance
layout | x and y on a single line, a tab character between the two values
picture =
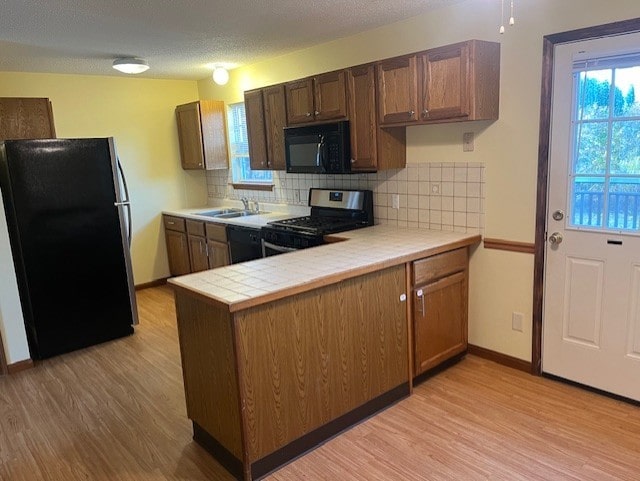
281	353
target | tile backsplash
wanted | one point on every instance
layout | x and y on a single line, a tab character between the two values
441	196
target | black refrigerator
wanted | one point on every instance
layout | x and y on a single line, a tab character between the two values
69	223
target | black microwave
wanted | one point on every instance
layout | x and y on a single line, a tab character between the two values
318	149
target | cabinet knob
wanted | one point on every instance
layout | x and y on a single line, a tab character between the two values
411	113
200	164
317	112
425	112
308	114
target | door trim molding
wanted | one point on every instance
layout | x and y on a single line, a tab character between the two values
3	360
548	44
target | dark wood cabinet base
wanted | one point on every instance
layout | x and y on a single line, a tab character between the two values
302	445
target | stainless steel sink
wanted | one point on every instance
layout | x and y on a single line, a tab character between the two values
228	213
218	212
244	213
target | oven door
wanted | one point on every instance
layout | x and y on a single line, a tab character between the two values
269	249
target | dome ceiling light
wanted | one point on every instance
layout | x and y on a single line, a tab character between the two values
220	75
130	65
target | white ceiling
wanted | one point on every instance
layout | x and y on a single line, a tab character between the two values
180	39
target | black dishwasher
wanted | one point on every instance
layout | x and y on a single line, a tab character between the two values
244	243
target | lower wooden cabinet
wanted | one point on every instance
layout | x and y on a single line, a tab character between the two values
194	246
440	308
177	246
218	254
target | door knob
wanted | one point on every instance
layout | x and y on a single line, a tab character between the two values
555	238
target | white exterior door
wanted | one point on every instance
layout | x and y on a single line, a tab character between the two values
591	323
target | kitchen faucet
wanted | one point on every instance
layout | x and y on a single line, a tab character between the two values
250	205
245	203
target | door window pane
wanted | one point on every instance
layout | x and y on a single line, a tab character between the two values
594	90
627	82
588	201
623	205
625	147
592	148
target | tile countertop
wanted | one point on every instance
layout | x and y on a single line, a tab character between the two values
252	283
273	212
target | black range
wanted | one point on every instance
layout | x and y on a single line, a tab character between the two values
332	210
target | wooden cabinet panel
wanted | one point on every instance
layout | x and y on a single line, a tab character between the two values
362	117
202	133
195	227
330	97
445	82
256	129
26	118
398	90
275	120
217	232
198	253
440	265
310	358
174	223
299	101
266	119
178	252
218	254
440	321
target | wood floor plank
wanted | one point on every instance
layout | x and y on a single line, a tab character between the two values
117	412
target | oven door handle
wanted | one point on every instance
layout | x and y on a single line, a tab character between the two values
268	245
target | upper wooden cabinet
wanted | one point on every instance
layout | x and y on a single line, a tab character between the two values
398	90
371	148
26	118
318	98
446	84
202	132
266	119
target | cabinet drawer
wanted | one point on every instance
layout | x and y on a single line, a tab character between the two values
435	267
195	227
174	223
216	232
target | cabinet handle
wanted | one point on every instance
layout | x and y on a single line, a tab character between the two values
420	294
170	222
411	113
308	114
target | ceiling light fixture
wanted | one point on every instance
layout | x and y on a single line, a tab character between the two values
220	75
130	65
512	19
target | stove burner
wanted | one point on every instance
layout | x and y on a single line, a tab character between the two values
317	225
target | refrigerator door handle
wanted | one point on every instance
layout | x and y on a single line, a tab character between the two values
126	202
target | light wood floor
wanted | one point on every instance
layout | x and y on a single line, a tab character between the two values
116	412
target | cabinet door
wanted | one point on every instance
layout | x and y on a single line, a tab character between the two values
213	117
198	253
330	96
299	101
275	120
256	129
26	118
190	136
445	82
362	117
397	90
218	254
440	321
178	252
